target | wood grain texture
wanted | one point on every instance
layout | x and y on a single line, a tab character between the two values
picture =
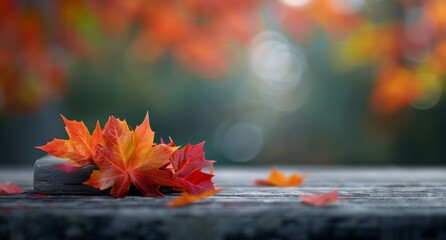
378	203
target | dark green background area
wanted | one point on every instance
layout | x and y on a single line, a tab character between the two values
335	126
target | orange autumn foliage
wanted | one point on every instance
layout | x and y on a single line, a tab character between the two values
187	198
394	87
279	179
79	149
130	157
299	20
31	73
199	34
204	37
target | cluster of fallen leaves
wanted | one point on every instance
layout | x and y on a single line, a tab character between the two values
279	179
128	157
276	178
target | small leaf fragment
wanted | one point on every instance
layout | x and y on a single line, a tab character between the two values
320	200
279	179
187	198
10	189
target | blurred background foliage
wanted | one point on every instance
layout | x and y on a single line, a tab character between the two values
284	81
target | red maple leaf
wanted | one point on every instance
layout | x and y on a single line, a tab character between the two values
320	200
10	189
187	165
131	157
79	149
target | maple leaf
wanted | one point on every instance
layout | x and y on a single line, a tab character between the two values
279	179
131	157
187	198
320	200
10	189
79	149
187	165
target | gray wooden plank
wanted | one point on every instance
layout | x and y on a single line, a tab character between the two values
377	203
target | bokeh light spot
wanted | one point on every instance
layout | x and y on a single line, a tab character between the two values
242	142
279	68
296	3
271	60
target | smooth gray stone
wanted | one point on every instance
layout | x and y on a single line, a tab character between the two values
51	180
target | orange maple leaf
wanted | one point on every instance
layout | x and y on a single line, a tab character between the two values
79	149
10	189
279	179
187	198
320	200
131	157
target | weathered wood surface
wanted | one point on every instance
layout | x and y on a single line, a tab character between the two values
379	203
